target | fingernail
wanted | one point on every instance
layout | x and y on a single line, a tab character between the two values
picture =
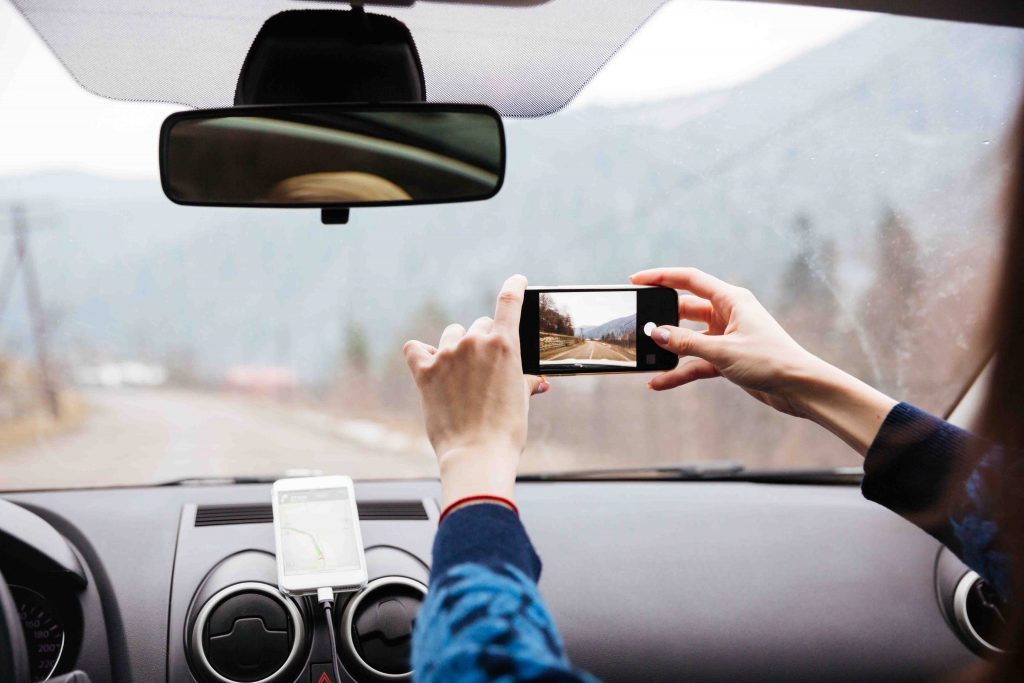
661	335
542	387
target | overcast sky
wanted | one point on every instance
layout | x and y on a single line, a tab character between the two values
594	308
715	44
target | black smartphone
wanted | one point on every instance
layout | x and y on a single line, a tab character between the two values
595	330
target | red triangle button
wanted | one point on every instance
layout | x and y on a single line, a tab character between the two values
324	678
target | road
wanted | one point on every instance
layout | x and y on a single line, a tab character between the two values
590	350
143	436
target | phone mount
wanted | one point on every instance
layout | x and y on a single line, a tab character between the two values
331	56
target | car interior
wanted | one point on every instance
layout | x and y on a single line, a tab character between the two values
199	298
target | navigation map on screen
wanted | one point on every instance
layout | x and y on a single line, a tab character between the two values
317	534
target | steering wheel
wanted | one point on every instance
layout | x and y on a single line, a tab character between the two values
14	665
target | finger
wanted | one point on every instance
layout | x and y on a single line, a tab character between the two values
688	371
452	334
481	326
690	279
685	342
696	309
417	353
510	305
537	385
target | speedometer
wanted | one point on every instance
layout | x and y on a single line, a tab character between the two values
44	633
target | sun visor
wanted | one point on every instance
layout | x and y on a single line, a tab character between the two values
302	56
522	59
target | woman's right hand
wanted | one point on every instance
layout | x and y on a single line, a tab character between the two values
747	346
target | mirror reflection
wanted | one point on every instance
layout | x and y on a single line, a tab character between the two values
316	156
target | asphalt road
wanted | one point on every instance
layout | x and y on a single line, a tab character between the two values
142	437
590	350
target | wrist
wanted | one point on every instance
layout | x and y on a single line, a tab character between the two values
487	469
806	381
470	501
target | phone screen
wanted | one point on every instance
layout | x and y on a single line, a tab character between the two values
317	531
595	329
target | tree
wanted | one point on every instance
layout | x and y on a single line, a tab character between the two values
357	348
808	307
891	305
552	320
353	387
396	388
807	282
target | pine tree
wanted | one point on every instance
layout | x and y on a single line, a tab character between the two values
357	348
808	308
890	306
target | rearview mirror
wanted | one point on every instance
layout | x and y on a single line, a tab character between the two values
335	155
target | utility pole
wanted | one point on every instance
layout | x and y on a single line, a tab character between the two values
21	256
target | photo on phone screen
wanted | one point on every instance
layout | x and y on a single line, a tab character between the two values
591	329
317	531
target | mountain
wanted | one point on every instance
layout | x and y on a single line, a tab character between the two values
619	327
901	113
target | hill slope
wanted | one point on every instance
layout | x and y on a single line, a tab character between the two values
619	327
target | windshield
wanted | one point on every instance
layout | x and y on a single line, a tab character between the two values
843	166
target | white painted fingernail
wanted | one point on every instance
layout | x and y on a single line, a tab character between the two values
662	336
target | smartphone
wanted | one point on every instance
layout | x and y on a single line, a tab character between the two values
316	531
595	330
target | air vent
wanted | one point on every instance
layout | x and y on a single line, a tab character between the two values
369	510
216	515
247	632
372	510
376	629
979	614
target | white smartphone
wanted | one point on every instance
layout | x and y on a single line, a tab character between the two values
316	531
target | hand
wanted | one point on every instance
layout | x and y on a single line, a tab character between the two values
476	399
747	346
743	342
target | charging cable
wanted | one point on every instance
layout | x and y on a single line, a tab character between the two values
325	596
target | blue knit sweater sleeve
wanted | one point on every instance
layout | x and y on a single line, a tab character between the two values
483	619
947	481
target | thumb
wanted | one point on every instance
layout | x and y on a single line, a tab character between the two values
536	385
686	342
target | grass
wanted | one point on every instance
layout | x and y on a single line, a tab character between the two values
41	425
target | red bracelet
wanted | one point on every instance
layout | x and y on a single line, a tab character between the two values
470	499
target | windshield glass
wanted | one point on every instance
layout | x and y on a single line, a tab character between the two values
843	166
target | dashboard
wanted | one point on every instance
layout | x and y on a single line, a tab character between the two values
646	580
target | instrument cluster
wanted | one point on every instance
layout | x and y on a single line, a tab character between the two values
44	628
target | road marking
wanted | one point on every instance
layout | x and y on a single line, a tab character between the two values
621	354
614	350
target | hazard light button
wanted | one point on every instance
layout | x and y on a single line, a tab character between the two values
321	673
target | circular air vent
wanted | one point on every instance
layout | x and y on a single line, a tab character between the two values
979	613
246	633
376	628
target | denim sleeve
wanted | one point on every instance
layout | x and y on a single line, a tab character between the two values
483	619
947	481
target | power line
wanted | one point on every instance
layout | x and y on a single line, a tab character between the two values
21	259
